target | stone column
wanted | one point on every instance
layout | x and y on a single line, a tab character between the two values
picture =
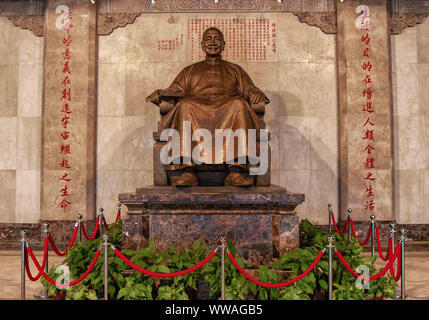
69	110
365	118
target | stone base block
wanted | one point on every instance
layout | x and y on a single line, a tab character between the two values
261	222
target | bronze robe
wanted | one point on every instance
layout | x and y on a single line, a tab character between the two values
213	94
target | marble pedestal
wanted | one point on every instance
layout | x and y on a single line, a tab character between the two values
260	221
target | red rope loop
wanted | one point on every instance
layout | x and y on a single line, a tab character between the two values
118	215
355	235
335	224
275	285
163	275
389	247
54	247
398	269
62	285
94	233
106	226
374	277
27	266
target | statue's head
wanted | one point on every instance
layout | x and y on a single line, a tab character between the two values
213	42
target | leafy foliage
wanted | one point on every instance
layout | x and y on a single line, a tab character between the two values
126	284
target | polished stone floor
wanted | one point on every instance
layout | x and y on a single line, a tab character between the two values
416	277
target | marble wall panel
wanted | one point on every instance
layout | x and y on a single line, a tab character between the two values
27	196
8	142
411	149
136	178
109	184
406	46
321	46
138	143
9	50
21	58
111	48
9	90
406	89
111	89
410	196
423	92
323	190
7	195
324	144
30	48
423	42
264	74
30	77
292	48
110	145
28	143
141	80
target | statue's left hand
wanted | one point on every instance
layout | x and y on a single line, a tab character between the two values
256	96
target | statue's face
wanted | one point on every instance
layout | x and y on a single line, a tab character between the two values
212	43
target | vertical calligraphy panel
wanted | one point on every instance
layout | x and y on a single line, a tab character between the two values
68	120
366	165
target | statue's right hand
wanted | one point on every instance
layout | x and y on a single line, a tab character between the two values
154	97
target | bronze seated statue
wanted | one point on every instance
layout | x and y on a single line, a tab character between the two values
210	95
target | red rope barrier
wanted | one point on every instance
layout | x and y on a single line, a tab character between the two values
275	285
118	215
94	233
389	247
354	233
54	247
374	277
106	226
27	266
398	269
335	224
62	285
163	275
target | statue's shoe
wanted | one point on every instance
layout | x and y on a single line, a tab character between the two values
237	180
187	179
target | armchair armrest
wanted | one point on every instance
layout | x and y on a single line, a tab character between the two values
259	107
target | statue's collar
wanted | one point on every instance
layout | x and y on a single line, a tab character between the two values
216	60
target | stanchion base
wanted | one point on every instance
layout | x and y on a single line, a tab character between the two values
42	295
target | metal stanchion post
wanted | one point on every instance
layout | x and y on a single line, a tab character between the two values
23	241
79	226
349	231
402	241
222	290
105	238
372	235
100	221
330	214
44	294
392	235
330	246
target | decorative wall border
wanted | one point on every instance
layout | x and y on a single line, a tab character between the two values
400	21
113	14
33	23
